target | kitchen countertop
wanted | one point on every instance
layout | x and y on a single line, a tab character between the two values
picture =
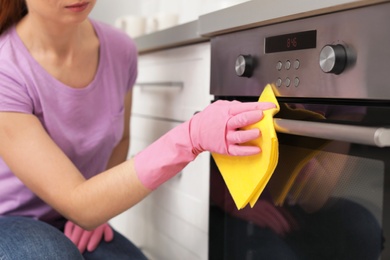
243	16
179	35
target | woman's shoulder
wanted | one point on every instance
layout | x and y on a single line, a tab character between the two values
11	56
114	38
6	43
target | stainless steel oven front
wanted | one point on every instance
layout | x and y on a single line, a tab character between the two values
329	197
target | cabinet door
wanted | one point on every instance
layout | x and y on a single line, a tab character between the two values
172	222
173	84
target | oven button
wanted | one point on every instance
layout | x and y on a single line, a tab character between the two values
279	82
296	82
287	66
297	64
279	65
244	66
333	59
287	82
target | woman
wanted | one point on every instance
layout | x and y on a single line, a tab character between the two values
65	99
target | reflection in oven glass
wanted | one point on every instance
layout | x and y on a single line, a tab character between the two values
333	211
321	203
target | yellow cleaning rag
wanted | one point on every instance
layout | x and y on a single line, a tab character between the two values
247	176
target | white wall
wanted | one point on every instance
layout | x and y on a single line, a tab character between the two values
108	10
188	10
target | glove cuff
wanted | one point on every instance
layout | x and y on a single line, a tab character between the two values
165	157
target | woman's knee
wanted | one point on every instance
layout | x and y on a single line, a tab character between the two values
26	238
119	248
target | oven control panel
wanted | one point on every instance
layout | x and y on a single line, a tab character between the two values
335	55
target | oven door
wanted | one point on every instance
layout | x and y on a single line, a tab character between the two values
328	197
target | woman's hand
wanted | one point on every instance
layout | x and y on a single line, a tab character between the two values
215	129
85	239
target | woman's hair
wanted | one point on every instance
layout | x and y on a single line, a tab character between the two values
11	12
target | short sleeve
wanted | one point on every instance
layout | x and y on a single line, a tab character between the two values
14	96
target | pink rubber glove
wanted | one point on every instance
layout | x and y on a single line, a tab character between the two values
89	240
215	129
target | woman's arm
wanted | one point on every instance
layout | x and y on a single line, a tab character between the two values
39	163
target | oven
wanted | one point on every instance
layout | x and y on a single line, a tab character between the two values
329	196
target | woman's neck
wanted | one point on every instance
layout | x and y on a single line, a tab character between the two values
60	40
71	54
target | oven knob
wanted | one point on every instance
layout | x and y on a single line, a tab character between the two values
333	59
244	66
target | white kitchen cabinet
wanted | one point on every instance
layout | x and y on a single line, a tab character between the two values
173	84
172	222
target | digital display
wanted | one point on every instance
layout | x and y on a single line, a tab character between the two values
291	42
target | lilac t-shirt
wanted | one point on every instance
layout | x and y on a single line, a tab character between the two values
85	123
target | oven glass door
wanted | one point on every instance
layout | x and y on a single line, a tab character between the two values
327	199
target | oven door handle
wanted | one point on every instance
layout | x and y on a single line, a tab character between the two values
375	136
